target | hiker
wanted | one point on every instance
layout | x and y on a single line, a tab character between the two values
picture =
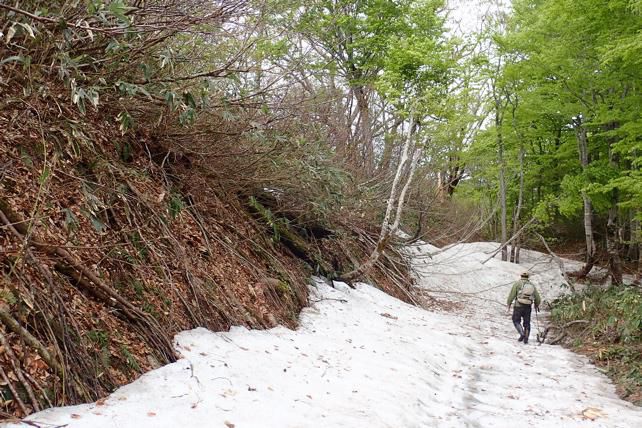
523	294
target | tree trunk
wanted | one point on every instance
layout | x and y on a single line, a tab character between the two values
503	246
613	230
514	254
612	244
441	179
635	251
499	119
453	176
419	228
388	228
634	237
388	145
502	191
365	148
520	198
582	143
638	275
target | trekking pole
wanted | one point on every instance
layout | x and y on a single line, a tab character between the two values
539	333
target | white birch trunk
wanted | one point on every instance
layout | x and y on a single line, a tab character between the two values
582	143
388	229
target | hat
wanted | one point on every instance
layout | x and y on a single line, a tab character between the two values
525	275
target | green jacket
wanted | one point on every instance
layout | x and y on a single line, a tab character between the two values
512	297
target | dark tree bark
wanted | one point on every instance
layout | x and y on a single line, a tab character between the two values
613	230
613	247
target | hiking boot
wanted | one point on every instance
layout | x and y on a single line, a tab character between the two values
525	340
521	338
519	328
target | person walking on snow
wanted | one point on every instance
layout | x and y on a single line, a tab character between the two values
523	294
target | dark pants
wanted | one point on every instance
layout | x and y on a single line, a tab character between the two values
522	312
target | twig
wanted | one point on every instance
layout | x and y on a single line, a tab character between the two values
559	261
567	325
329	298
11	323
43	393
44	19
519	232
101	289
21	404
563	328
18	371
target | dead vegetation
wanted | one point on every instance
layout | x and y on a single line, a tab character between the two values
142	194
604	323
103	260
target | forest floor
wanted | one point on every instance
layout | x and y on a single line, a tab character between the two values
363	358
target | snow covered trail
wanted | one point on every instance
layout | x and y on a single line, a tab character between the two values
540	385
361	358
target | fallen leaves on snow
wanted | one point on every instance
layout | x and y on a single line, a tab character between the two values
592	413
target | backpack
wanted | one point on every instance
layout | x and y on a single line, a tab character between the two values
525	294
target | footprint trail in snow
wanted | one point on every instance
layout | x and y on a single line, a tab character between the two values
361	358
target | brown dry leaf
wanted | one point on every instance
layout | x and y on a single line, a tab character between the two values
150	414
387	315
592	413
101	402
229	424
75	416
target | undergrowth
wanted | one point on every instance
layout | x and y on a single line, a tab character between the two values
612	338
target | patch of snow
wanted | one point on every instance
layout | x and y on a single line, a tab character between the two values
362	358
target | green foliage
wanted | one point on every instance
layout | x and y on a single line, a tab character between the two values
7	297
614	333
138	287
104	53
546	209
629	183
391	45
175	205
271	49
614	313
571	204
277	224
283	289
71	221
129	359
561	62
139	244
99	337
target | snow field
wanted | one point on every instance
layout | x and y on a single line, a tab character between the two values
361	358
